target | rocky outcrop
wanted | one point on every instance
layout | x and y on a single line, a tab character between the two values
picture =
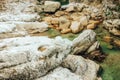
28	58
41	58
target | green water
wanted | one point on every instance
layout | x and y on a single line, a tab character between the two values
111	65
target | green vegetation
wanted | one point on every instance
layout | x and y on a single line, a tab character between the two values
111	65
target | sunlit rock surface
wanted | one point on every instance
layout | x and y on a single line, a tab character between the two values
15	10
30	57
41	58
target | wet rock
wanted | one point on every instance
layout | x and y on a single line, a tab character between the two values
76	27
51	6
83	41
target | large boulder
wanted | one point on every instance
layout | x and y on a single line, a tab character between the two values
42	58
76	27
27	58
51	6
74	68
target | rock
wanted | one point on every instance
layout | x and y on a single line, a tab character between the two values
16	10
6	27
76	16
94	47
47	19
39	8
74	7
19	17
59	13
34	27
64	25
70	8
84	20
85	68
61	73
91	26
76	27
80	6
51	6
74	68
20	58
83	41
55	21
15	29
113	26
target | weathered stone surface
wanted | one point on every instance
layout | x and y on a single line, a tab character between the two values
84	20
83	41
22	58
94	47
113	26
74	68
76	27
84	68
64	25
16	10
14	29
51	6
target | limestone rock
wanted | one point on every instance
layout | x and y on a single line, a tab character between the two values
51	6
74	68
113	26
84	20
91	26
64	25
76	27
61	73
59	13
19	10
94	47
15	29
83	41
87	69
21	58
